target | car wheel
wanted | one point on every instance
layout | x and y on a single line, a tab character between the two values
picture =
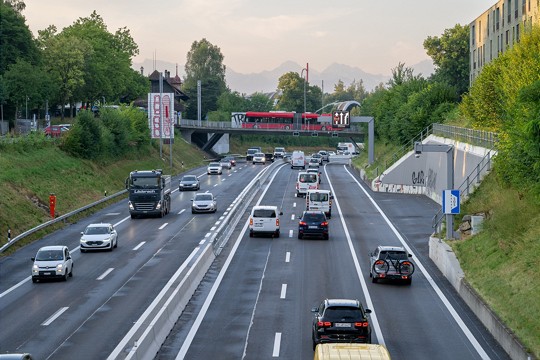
374	280
300	236
71	272
132	216
276	234
314	345
408	281
116	243
34	280
83	251
66	275
326	237
251	234
193	211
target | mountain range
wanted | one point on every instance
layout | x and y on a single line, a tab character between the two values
266	81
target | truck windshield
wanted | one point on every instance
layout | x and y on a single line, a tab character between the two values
145	182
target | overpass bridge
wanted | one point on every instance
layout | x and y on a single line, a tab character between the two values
213	131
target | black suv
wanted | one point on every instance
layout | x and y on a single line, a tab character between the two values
313	223
340	320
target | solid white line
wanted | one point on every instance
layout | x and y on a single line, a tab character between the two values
107	272
283	291
428	277
162	226
277	344
139	246
287	256
55	316
181	211
291	233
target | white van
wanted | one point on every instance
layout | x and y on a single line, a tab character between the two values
306	181
298	159
319	200
264	219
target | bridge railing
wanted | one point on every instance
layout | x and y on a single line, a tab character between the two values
228	125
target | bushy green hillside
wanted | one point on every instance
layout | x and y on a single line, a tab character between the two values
34	167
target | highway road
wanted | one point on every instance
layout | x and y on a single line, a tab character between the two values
255	301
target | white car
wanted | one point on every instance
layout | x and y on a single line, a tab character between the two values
52	262
225	164
264	219
203	202
214	168
259	158
99	237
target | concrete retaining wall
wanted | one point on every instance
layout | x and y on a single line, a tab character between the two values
447	262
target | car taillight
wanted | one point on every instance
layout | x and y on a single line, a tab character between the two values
277	222
361	324
324	324
250	221
302	223
324	223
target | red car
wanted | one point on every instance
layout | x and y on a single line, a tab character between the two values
55	130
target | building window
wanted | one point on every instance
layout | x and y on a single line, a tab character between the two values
473	31
490	50
483	54
497	18
509	11
502	15
507	37
474	59
480	31
516	9
493	17
487	27
524	6
517	32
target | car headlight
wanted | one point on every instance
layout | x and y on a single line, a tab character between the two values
59	267
107	239
158	206
35	268
131	207
83	240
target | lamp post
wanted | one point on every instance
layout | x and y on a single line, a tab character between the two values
449	150
306	69
26	108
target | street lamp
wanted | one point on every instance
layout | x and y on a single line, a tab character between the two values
26	108
449	150
306	69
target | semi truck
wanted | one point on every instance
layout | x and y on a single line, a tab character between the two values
149	193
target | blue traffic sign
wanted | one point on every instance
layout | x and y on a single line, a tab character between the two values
450	202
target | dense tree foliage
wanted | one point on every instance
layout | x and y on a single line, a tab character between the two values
204	63
291	88
505	98
450	54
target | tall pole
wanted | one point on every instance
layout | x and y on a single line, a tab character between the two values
161	115
305	81
26	107
199	102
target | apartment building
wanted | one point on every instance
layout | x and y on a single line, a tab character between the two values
498	28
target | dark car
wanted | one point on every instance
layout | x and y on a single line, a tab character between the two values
340	320
269	157
189	182
391	263
231	159
313	223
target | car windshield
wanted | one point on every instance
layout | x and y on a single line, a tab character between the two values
318	197
96	230
189	178
213	164
308	178
50	255
342	313
259	155
203	197
313	217
145	182
264	213
395	255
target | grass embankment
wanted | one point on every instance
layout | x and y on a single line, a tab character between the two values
32	169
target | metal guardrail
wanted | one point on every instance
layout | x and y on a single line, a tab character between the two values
465	189
58	219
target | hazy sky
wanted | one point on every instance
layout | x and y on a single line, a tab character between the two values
258	35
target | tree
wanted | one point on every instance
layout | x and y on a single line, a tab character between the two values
204	63
107	72
259	102
450	54
65	59
291	86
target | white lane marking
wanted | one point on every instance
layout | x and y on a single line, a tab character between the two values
207	235
218	222
139	246
277	344
290	233
221	217
287	256
229	175
54	316
225	213
204	309
418	264
294	204
162	226
222	180
215	185
107	272
202	241
292	217
213	228
112	214
181	211
283	291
